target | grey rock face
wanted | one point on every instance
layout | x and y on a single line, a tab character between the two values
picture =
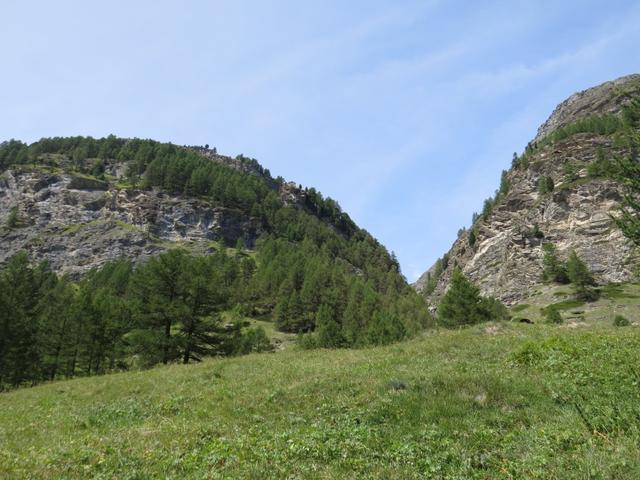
506	260
606	98
78	223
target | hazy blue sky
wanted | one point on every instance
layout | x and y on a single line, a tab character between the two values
404	111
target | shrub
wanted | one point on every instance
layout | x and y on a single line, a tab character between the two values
463	304
487	208
307	341
545	185
253	340
552	315
494	309
384	329
472	237
570	172
620	321
13	219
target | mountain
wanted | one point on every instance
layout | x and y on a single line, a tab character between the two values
558	191
117	253
81	209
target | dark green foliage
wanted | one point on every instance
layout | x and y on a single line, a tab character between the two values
177	303
245	341
13	152
472	237
581	278
601	167
600	124
536	232
311	253
328	328
504	184
552	315
487	207
573	271
553	269
570	171
13	220
545	185
628	219
165	310
463	304
621	321
312	259
433	277
607	124
384	328
494	309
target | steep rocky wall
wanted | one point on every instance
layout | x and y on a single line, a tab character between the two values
506	259
77	223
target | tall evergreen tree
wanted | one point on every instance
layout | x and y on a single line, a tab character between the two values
463	304
581	278
553	269
629	218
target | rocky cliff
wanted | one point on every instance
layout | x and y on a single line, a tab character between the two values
502	252
77	222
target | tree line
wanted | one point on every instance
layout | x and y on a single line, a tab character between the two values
167	309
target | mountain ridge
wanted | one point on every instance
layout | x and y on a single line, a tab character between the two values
502	251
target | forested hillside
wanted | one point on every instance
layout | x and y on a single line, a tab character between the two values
304	264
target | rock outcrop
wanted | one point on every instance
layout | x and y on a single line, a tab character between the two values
77	223
505	260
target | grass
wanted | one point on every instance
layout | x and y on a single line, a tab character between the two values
615	299
519	308
492	401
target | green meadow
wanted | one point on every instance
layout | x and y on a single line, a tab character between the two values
498	400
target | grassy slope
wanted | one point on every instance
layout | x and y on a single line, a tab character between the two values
615	299
492	401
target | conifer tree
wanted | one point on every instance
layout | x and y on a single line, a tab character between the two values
328	329
553	269
463	304
629	217
581	278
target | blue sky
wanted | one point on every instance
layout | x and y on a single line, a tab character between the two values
404	111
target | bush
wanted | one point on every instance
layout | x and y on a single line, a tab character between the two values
463	304
620	321
494	309
252	341
307	341
552	315
545	185
472	237
570	172
13	219
384	329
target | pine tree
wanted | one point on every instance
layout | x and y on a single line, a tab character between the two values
328	329
553	269
462	304
384	328
581	278
629	217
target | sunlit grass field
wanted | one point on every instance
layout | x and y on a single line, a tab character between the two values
492	401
